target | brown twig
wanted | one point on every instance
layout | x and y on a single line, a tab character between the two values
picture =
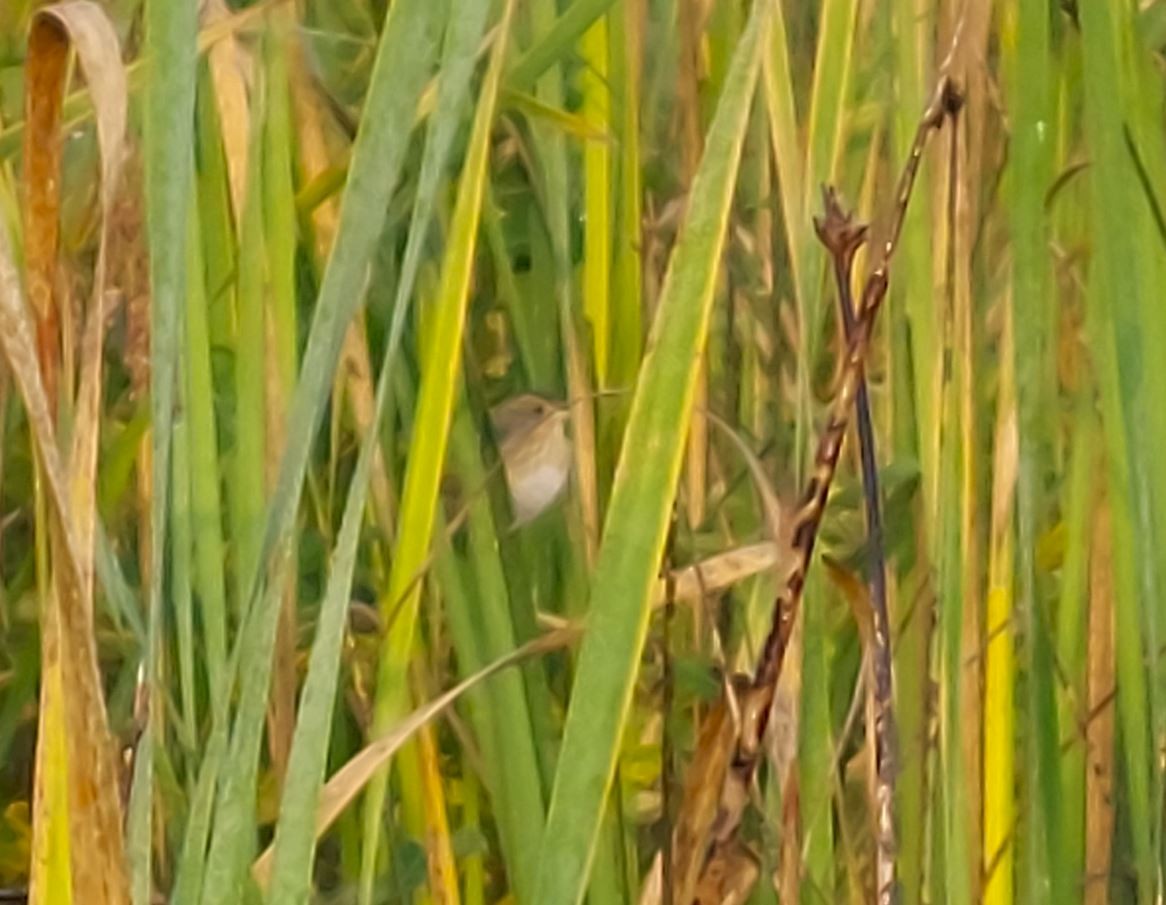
842	238
727	755
806	522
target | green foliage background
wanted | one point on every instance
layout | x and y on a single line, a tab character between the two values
346	229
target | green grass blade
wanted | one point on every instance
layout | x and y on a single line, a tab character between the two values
247	486
557	43
1081	493
958	870
815	747
188	876
913	327
180	584
279	204
824	144
171	29
1033	327
627	290
206	518
295	836
787	156
216	214
399	73
1146	146
487	632
597	199
627	276
1115	335
403	60
641	499
420	495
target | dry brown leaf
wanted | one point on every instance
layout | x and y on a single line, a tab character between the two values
96	44
721	571
1099	731
44	72
94	808
94	817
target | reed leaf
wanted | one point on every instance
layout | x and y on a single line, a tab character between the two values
441	360
637	520
402	62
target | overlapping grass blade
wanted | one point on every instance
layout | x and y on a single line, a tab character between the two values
482	628
171	29
294	837
403	59
627	50
1146	148
637	520
1033	324
206	521
784	144
555	183
1117	331
824	144
597	198
441	363
246	494
556	42
295	841
1081	508
351	779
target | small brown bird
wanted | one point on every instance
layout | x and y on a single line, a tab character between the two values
536	454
